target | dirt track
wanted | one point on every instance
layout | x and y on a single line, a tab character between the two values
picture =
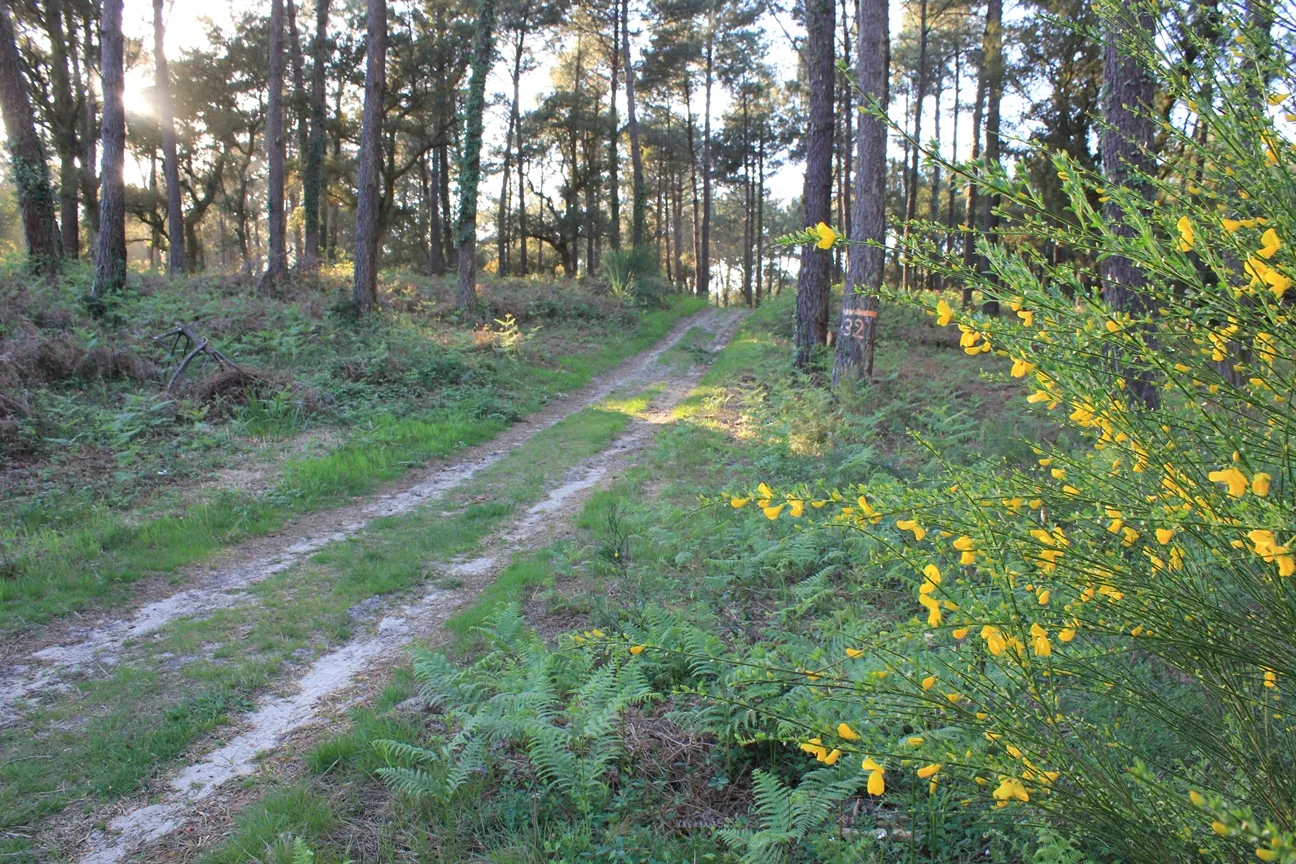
334	675
47	660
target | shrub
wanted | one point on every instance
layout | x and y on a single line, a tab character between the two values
1102	640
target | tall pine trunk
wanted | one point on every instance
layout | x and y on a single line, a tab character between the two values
514	134
704	260
857	333
614	136
1128	91
994	61
301	110
35	195
971	199
911	190
277	261
639	217
91	127
949	200
364	288
313	170
470	166
110	260
65	129
811	325
170	161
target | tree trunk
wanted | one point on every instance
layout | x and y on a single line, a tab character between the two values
857	333
704	260
749	193
65	129
110	261
971	202
170	161
364	288
501	254
933	196
301	107
949	200
614	167
335	221
760	211
1125	141
640	211
277	261
993	54
447	215
696	225
911	192
313	169
811	326
470	166
89	134
521	208
436	263
35	195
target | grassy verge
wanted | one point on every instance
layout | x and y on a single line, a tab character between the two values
112	735
61	567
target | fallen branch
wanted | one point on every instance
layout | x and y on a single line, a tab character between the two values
194	345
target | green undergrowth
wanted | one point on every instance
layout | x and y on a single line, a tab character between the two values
115	481
110	736
538	735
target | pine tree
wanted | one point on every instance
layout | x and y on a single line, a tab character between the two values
277	261
110	260
858	330
364	289
312	173
35	195
812	282
470	166
1126	143
170	161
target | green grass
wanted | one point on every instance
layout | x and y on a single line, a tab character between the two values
264	832
111	735
63	569
713	564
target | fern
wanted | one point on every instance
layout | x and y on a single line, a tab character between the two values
787	816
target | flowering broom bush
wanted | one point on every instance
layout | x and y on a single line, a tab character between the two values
1108	640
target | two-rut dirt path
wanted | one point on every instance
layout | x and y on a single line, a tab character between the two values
46	661
339	674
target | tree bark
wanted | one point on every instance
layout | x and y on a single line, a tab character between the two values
170	161
277	261
640	212
364	288
110	260
1125	144
65	129
704	259
949	200
513	133
313	171
470	166
971	200
911	190
35	195
811	325
614	167
90	130
857	333
994	62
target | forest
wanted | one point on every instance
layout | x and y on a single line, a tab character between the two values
647	431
